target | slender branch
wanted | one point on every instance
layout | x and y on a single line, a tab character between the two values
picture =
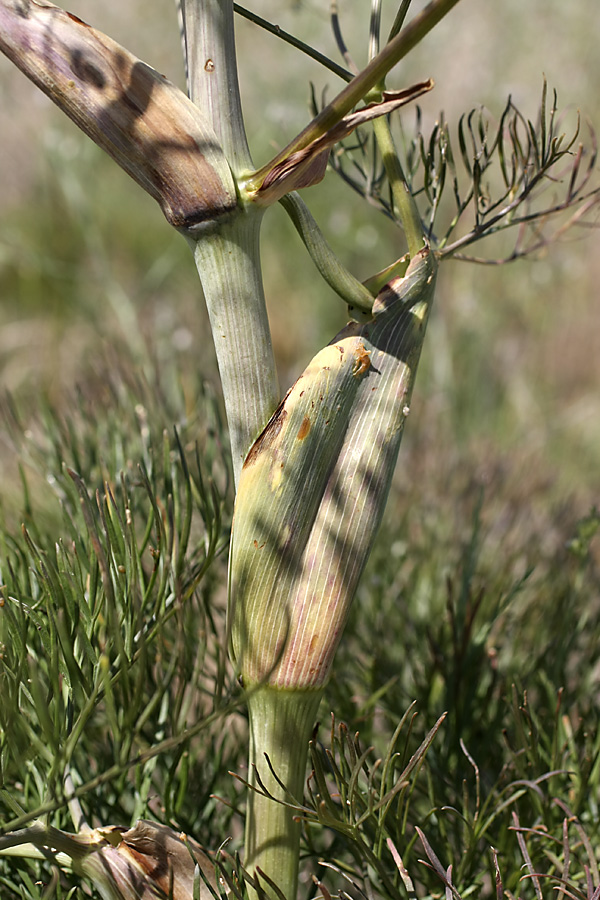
399	20
339	39
375	29
496	224
294	42
403	199
591	200
335	274
359	87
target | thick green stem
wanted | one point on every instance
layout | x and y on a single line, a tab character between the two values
227	250
228	261
212	75
281	723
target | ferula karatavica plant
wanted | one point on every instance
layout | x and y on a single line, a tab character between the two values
313	470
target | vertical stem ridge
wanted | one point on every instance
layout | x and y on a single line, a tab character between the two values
281	723
212	75
228	261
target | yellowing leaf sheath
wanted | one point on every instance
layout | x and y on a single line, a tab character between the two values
313	488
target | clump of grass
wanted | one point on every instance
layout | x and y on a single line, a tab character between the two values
469	669
111	625
505	803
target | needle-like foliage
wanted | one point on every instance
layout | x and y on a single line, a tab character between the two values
106	634
485	176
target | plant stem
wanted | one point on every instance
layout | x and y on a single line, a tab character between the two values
331	269
399	20
212	74
371	76
312	52
404	203
281	723
228	262
227	251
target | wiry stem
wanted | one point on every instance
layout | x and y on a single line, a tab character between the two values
279	32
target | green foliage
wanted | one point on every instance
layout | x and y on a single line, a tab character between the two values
482	606
466	609
492	176
111	638
511	778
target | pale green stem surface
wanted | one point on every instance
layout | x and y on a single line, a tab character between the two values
228	262
227	251
212	75
281	724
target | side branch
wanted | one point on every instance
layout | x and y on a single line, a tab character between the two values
370	77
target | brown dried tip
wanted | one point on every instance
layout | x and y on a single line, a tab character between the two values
148	126
165	857
306	167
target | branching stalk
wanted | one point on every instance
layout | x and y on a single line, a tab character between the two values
404	203
369	78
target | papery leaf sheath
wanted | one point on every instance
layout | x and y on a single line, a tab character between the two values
314	485
307	166
147	862
142	120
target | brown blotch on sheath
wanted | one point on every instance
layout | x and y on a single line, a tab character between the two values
267	436
77	19
304	428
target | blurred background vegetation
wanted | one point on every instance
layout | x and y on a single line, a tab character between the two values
511	367
486	571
